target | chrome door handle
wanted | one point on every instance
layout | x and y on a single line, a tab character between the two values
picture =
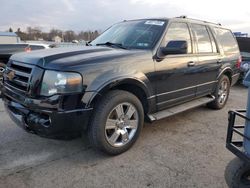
219	61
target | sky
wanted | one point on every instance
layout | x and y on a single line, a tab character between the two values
99	14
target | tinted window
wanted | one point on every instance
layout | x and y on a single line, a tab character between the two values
215	50
204	44
10	48
178	32
243	43
140	34
35	47
226	39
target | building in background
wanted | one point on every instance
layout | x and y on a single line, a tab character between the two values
9	38
57	39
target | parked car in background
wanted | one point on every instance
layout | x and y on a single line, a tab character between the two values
7	50
139	69
245	65
244	45
9	38
69	44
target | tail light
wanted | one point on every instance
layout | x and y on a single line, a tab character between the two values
238	63
27	49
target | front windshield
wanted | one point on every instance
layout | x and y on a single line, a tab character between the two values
140	34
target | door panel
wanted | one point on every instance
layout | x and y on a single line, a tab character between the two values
208	67
175	80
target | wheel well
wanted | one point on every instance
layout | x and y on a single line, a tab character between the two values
136	90
229	75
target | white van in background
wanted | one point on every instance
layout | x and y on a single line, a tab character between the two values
9	38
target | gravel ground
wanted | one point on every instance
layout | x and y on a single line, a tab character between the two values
186	150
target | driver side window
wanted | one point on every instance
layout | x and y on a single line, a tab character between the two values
178	32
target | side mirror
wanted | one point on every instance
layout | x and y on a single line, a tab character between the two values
174	47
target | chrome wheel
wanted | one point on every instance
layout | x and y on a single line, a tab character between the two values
223	92
2	69
121	124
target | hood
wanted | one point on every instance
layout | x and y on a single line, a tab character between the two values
60	58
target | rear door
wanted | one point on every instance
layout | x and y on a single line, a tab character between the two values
229	46
209	59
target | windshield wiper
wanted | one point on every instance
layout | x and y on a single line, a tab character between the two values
88	43
112	44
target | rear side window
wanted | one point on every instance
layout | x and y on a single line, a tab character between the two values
204	43
35	47
227	41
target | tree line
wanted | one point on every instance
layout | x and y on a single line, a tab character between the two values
36	33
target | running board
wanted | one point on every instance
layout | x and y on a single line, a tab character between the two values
180	108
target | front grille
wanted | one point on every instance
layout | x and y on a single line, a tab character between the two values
17	76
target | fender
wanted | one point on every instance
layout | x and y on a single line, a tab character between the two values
226	69
96	88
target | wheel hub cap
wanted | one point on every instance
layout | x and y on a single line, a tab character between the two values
2	69
121	124
223	92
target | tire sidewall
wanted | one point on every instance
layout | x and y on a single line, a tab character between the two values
234	172
237	179
2	65
1	77
216	102
99	121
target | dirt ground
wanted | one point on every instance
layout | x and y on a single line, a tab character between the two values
186	150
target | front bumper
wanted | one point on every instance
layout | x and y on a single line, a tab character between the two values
46	122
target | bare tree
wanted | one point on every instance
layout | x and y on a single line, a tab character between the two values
55	32
36	33
21	34
69	36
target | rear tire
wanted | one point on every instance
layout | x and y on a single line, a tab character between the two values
237	174
116	123
221	93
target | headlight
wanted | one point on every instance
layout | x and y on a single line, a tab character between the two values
60	83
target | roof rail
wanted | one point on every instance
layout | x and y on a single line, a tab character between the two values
185	17
182	16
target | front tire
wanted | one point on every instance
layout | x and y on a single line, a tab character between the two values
2	69
116	123
221	93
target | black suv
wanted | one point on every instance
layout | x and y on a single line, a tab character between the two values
139	69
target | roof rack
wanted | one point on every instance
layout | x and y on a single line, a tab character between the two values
182	16
185	17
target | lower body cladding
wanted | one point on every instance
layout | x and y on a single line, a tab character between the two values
235	78
48	123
